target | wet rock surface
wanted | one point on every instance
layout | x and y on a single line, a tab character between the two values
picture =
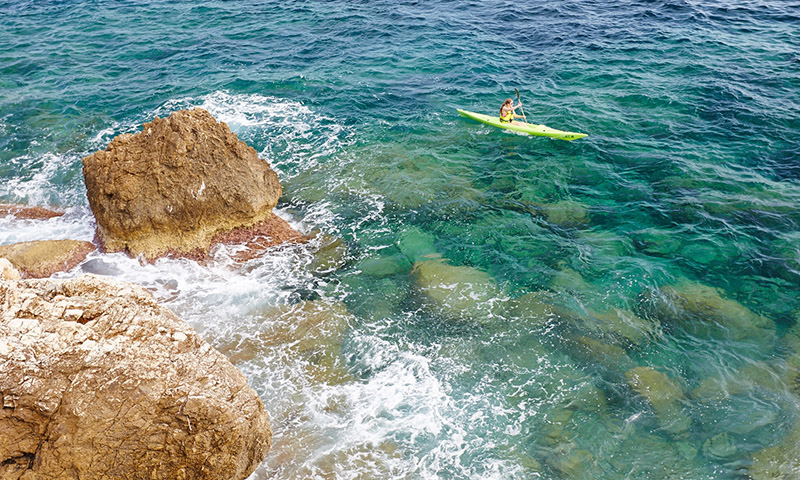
40	259
27	212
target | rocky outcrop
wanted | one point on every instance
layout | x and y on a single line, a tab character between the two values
99	382
40	259
172	187
266	234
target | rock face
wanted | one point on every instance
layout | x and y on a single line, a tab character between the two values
98	381
7	270
175	185
43	258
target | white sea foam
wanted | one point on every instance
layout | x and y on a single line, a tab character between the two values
205	294
240	111
103	137
75	224
401	422
40	183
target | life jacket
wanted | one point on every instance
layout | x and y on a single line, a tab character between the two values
508	117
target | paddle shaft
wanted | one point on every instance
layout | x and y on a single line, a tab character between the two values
520	106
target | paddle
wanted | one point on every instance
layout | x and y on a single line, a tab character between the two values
520	106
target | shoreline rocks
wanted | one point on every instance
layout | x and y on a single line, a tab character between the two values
99	381
40	259
7	270
27	212
177	184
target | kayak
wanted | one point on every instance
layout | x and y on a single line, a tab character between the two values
529	128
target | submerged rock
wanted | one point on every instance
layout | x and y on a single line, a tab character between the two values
381	267
595	352
602	252
788	248
98	381
566	213
456	292
703	311
572	462
309	333
793	373
330	254
779	461
569	280
40	259
175	185
664	394
361	458
745	380
624	325
416	244
704	254
656	242
719	447
656	458
535	308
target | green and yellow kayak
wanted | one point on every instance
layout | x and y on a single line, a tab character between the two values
517	126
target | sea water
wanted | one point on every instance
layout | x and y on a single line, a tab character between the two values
649	249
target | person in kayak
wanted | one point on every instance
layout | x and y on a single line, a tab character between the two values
507	111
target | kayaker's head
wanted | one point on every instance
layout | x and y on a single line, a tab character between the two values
507	111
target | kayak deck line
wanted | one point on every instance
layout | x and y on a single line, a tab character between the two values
529	128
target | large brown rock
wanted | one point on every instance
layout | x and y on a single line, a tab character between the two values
97	381
42	258
175	185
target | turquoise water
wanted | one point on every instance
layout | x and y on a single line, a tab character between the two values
668	239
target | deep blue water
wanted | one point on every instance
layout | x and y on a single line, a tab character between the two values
666	243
